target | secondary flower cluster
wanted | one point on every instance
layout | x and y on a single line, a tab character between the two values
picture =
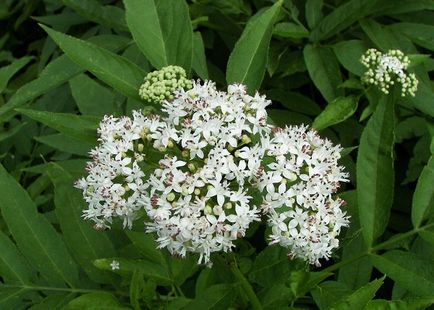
193	173
298	182
386	69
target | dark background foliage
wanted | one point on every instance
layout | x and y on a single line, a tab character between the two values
304	55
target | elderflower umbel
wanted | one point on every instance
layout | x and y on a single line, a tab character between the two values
193	171
160	85
201	202
386	69
298	181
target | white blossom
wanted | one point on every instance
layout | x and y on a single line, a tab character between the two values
114	265
298	186
191	174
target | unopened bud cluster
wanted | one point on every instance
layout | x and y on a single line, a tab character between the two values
160	85
208	167
385	70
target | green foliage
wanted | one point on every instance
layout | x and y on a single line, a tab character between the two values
247	61
88	58
375	177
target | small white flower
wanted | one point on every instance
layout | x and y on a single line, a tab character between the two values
114	265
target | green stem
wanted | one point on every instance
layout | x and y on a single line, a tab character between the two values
378	247
179	291
254	301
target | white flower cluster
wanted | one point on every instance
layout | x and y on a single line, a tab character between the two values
115	180
301	175
160	85
204	205
193	173
386	69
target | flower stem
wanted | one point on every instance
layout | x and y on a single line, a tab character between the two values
254	301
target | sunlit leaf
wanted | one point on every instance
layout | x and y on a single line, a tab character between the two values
166	38
247	61
375	175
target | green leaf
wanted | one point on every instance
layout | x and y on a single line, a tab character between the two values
182	268
219	296
56	301
91	97
389	7
95	301
277	296
11	132
75	167
56	73
424	94
13	266
136	287
290	31
409	270
11	298
408	303
420	34
108	15
427	235
128	266
360	298
271	266
294	101
118	72
81	127
382	37
199	58
66	144
324	70
336	112
86	244
35	237
247	61
416	59
166	38
302	281
285	117
7	72
410	127
341	18
423	198
313	12
349	54
328	293
147	246
375	174
358	273
219	273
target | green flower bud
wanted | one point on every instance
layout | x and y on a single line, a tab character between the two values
191	167
160	85
140	147
207	210
171	197
227	205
